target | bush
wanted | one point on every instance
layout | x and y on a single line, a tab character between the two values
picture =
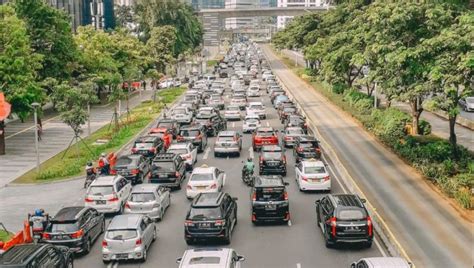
424	127
339	88
389	124
464	197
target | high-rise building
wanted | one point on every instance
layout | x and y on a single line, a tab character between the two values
207	4
283	20
233	23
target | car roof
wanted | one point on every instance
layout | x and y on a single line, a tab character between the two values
20	254
125	221
386	262
181	145
105	180
146	139
269	181
68	213
312	163
293	128
208	199
347	200
307	138
255	103
222	253
130	156
145	188
271	148
204	169
265	129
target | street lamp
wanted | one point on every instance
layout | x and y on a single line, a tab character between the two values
35	106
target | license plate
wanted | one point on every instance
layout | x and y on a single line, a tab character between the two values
121	256
143	151
100	202
205	225
62	237
352	228
272	164
252	125
163	175
270	207
200	187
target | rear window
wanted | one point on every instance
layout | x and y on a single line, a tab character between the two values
270	194
143	145
165	124
121	234
314	170
272	155
177	151
163	166
205	213
57	227
201	177
124	161
233	108
100	190
294	131
309	144
142	197
225	138
189	133
256	107
351	214
179	111
205	260
265	133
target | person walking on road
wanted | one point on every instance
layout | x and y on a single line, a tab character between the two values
39	129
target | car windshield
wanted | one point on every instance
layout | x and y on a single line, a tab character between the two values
125	161
121	234
314	170
226	138
351	214
189	133
256	107
204	260
270	194
177	151
101	190
142	197
60	227
201	177
143	145
163	167
205	213
289	110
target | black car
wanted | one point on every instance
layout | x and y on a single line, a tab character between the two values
195	134
213	123
212	215
295	120
272	160
76	228
343	218
168	169
37	255
133	167
270	199
306	147
170	124
148	146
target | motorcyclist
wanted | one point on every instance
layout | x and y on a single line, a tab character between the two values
104	164
90	169
38	214
248	168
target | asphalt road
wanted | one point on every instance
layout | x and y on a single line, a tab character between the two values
299	244
431	232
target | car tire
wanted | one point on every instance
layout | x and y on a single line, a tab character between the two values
102	227
189	242
154	234
238	154
200	149
216	154
328	244
368	244
284	174
87	246
228	236
105	261
70	263
143	259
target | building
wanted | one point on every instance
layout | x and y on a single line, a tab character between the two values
124	2
234	23
206	4
283	20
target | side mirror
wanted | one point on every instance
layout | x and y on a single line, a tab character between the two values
235	198
178	260
363	200
240	258
317	202
148	220
286	183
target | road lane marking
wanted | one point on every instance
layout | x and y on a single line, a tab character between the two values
233	124
206	153
116	264
298	265
268	124
251	152
26	129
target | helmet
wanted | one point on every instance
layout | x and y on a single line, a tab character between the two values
102	155
89	164
249	159
38	212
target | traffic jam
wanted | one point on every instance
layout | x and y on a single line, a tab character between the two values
221	166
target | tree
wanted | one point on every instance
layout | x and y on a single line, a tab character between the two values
160	47
51	36
123	16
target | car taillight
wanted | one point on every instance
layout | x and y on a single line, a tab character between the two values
177	174
78	234
369	226
326	178
104	244
318	150
284	159
46	236
138	242
180	138
88	200
261	160
214	186
134	150
189	187
254	196
188	223
219	223
152	150
135	171
299	149
113	172
285	195
333	223
113	199
304	178
127	205
287	138
187	156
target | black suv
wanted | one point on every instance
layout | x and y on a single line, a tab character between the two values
270	199
76	228
213	123
306	147
148	146
132	167
170	124
195	134
212	215
272	160
37	255
168	169
343	218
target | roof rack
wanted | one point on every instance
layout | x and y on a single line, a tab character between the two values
164	156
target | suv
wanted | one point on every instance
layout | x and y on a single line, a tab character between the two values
270	199
194	134
37	255
343	218
272	160
264	136
212	215
295	120
228	142
148	146
133	167
108	194
306	147
75	227
168	169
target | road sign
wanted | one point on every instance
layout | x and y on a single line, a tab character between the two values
5	107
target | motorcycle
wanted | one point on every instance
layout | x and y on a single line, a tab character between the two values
38	225
91	175
247	177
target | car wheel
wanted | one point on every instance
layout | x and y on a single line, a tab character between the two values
70	264
102	227
87	246
200	149
154	234
144	255
142	178
105	261
228	236
368	244
216	154
189	242
238	154
162	213
328	244
284	174
120	212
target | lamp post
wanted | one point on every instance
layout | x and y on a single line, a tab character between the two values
35	106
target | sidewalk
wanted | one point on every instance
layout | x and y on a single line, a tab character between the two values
20	139
439	126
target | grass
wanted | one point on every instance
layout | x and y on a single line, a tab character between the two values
72	165
212	63
5	235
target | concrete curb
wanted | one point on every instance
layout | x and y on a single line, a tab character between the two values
119	151
459	120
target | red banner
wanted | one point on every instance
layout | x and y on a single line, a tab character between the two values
5	107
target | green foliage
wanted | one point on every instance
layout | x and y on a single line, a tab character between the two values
339	88
293	37
424	127
123	16
160	46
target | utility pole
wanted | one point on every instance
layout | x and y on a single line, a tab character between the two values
375	95
35	106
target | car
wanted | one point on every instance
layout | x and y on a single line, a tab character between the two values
171	125
75	227
295	120
217	101
241	102
208	111
272	160
212	123
264	136
343	218
34	255
164	134
211	216
210	257
108	194
251	123
223	73
290	134
270	200
467	104
306	147
182	115
232	112
253	92
148	146
195	134
148	199
166	83
192	97
187	151
205	179
128	237
132	167
381	262
312	175
286	112
228	142
168	170
177	82
267	75
278	99
256	108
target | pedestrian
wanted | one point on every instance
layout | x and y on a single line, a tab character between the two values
39	129
144	85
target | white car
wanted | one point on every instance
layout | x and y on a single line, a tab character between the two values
167	83
187	151
241	102
253	92
108	194
182	115
312	175
232	112
251	123
205	179
266	75
256	108
210	257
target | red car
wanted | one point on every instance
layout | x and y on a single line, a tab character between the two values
264	136
164	134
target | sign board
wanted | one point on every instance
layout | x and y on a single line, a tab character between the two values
5	107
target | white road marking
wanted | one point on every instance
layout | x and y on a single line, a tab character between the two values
233	124
206	153
289	223
115	264
268	124
298	265
251	152
377	243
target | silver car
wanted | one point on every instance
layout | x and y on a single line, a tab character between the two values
228	142
232	112
128	237
382	262
148	199
210	257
